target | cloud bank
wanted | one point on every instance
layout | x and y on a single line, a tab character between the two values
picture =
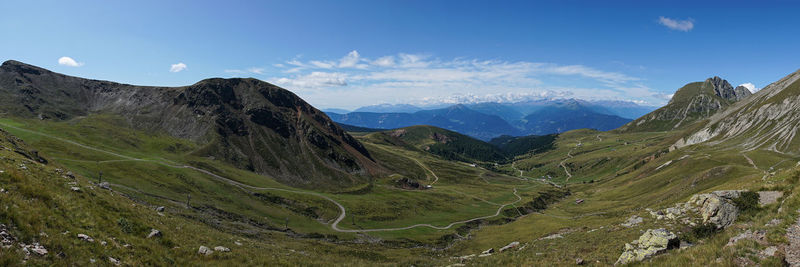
355	80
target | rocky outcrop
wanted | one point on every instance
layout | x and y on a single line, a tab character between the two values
717	207
651	243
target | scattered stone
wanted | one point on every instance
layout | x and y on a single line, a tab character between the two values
578	261
657	214
759	236
773	222
70	175
238	243
553	236
36	248
160	209
674	213
768	197
222	249
651	243
75	188
510	246
485	255
769	251
466	257
113	261
579	201
103	243
92	261
154	233
685	245
633	221
105	185
205	251
85	238
488	251
6	239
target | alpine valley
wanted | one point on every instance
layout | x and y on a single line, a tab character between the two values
243	172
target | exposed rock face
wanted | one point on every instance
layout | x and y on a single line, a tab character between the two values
651	243
724	89
767	120
717	207
692	102
249	123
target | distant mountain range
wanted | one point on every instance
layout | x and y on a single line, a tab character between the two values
489	120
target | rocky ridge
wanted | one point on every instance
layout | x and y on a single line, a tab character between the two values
692	102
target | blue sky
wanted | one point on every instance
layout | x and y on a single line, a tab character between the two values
347	54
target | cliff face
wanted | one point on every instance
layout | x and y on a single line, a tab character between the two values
246	122
691	103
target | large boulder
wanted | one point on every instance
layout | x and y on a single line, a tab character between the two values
651	243
717	207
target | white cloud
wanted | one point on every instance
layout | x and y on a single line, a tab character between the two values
256	70
419	78
751	87
322	64
386	61
177	67
68	61
676	24
350	60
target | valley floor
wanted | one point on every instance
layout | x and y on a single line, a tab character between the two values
561	206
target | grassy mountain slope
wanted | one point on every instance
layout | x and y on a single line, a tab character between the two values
446	144
246	122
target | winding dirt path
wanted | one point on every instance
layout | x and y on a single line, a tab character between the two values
334	225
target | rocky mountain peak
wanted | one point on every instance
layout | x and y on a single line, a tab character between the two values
725	90
741	92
